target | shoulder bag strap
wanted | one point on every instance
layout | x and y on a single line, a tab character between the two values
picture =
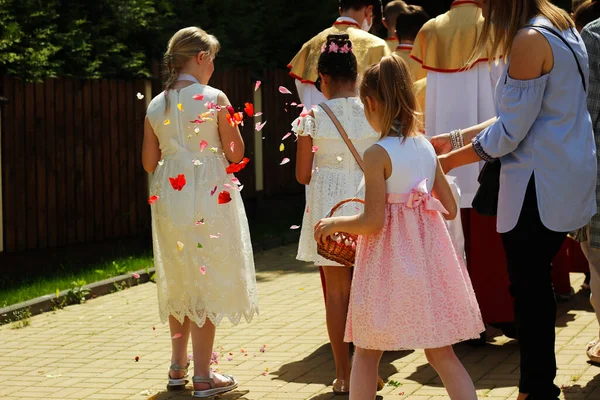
558	35
344	135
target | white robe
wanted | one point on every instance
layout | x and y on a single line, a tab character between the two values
309	95
456	101
460	100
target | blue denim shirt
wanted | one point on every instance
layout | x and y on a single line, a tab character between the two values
544	128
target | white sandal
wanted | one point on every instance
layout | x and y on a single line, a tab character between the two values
178	383
213	388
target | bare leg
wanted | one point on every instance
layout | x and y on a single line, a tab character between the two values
203	339
593	257
457	381
363	383
179	346
338	281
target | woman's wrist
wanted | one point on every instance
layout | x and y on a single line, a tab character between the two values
457	139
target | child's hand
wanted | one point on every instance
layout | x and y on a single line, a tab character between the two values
324	228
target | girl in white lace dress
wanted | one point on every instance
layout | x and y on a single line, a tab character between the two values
202	250
336	177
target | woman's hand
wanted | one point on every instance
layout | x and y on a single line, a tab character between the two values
325	228
442	143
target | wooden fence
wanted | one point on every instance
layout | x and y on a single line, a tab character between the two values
71	155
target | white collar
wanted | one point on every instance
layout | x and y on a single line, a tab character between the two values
347	19
187	77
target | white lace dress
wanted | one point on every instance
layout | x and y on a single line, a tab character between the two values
202	249
337	175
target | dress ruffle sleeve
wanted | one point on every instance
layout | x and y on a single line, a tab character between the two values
304	126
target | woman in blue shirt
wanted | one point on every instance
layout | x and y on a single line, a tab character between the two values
543	137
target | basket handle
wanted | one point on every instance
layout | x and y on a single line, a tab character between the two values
341	203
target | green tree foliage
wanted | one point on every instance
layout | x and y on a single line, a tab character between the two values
124	38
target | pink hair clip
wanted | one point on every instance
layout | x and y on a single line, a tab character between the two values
346	49
333	48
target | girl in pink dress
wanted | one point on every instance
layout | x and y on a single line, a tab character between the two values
410	288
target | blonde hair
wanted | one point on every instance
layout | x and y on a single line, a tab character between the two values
504	19
184	45
390	84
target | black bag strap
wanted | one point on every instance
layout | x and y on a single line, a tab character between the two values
558	35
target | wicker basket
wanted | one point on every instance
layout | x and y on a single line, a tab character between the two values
342	247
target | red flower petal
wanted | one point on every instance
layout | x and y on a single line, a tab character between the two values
257	85
178	183
284	90
233	168
224	197
249	109
231	110
198	97
153	199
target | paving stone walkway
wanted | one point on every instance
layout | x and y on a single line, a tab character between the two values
88	351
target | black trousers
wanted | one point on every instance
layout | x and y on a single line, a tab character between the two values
530	248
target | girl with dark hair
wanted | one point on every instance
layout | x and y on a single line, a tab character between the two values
336	176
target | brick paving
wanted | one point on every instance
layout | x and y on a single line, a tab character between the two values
87	351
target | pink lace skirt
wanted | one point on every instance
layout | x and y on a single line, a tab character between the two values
410	289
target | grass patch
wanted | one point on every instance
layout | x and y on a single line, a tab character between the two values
54	270
70	277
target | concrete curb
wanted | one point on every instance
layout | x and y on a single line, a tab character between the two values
50	302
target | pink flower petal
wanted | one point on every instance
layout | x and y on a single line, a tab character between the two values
232	146
294	227
258	114
259	126
203	270
287	135
235	180
300	106
176	336
284	90
257	85
198	97
210	105
293	103
284	161
136	276
203	145
315	149
212	192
